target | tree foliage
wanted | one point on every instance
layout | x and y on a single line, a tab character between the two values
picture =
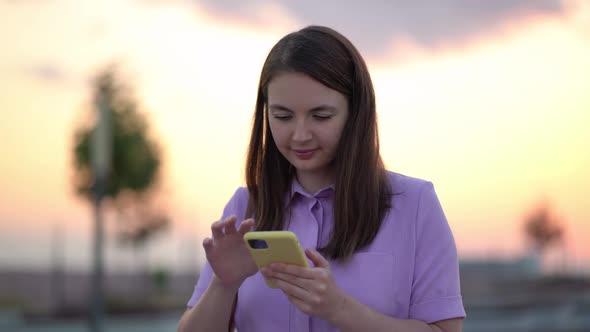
135	162
542	228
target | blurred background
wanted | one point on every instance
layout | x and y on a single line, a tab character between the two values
489	100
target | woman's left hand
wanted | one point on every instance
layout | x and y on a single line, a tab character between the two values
311	289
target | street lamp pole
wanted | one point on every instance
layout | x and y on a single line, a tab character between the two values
101	160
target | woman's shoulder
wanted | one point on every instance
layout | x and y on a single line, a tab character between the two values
241	196
410	195
404	184
241	193
238	203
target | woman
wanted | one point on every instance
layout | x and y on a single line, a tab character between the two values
383	256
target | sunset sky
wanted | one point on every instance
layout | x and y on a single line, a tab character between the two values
489	102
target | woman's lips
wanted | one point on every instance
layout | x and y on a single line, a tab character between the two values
304	153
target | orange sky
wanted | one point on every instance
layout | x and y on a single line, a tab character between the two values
497	124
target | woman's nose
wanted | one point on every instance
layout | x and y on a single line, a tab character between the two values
301	132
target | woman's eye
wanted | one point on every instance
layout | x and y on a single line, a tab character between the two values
322	117
283	117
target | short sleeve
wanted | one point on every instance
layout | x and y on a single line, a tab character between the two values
436	291
237	206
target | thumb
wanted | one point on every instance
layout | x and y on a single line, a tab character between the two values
207	243
316	258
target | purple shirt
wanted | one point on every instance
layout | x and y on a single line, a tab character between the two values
409	271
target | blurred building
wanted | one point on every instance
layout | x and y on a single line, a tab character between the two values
515	296
499	295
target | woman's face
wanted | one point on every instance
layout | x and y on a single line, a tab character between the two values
306	120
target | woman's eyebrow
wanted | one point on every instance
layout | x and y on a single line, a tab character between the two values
278	107
323	108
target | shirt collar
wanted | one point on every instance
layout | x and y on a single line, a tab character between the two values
297	189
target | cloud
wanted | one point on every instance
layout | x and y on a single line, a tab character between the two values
375	25
47	72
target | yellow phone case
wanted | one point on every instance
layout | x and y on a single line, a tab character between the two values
282	247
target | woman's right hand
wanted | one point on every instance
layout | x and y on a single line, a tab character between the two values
227	252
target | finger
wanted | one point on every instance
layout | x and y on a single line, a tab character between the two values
207	243
316	258
230	226
294	270
292	290
217	229
304	283
301	305
246	226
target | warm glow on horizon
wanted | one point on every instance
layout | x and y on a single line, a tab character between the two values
497	124
514	136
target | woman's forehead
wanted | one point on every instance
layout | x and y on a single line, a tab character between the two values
298	90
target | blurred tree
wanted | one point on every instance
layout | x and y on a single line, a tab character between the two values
161	280
135	164
543	229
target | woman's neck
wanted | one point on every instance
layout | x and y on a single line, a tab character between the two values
312	182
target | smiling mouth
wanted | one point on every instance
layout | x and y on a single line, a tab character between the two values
304	154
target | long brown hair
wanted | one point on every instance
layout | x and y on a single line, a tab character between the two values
362	192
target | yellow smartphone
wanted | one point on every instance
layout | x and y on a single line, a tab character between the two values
268	247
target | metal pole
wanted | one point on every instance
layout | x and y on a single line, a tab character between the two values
97	275
101	165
